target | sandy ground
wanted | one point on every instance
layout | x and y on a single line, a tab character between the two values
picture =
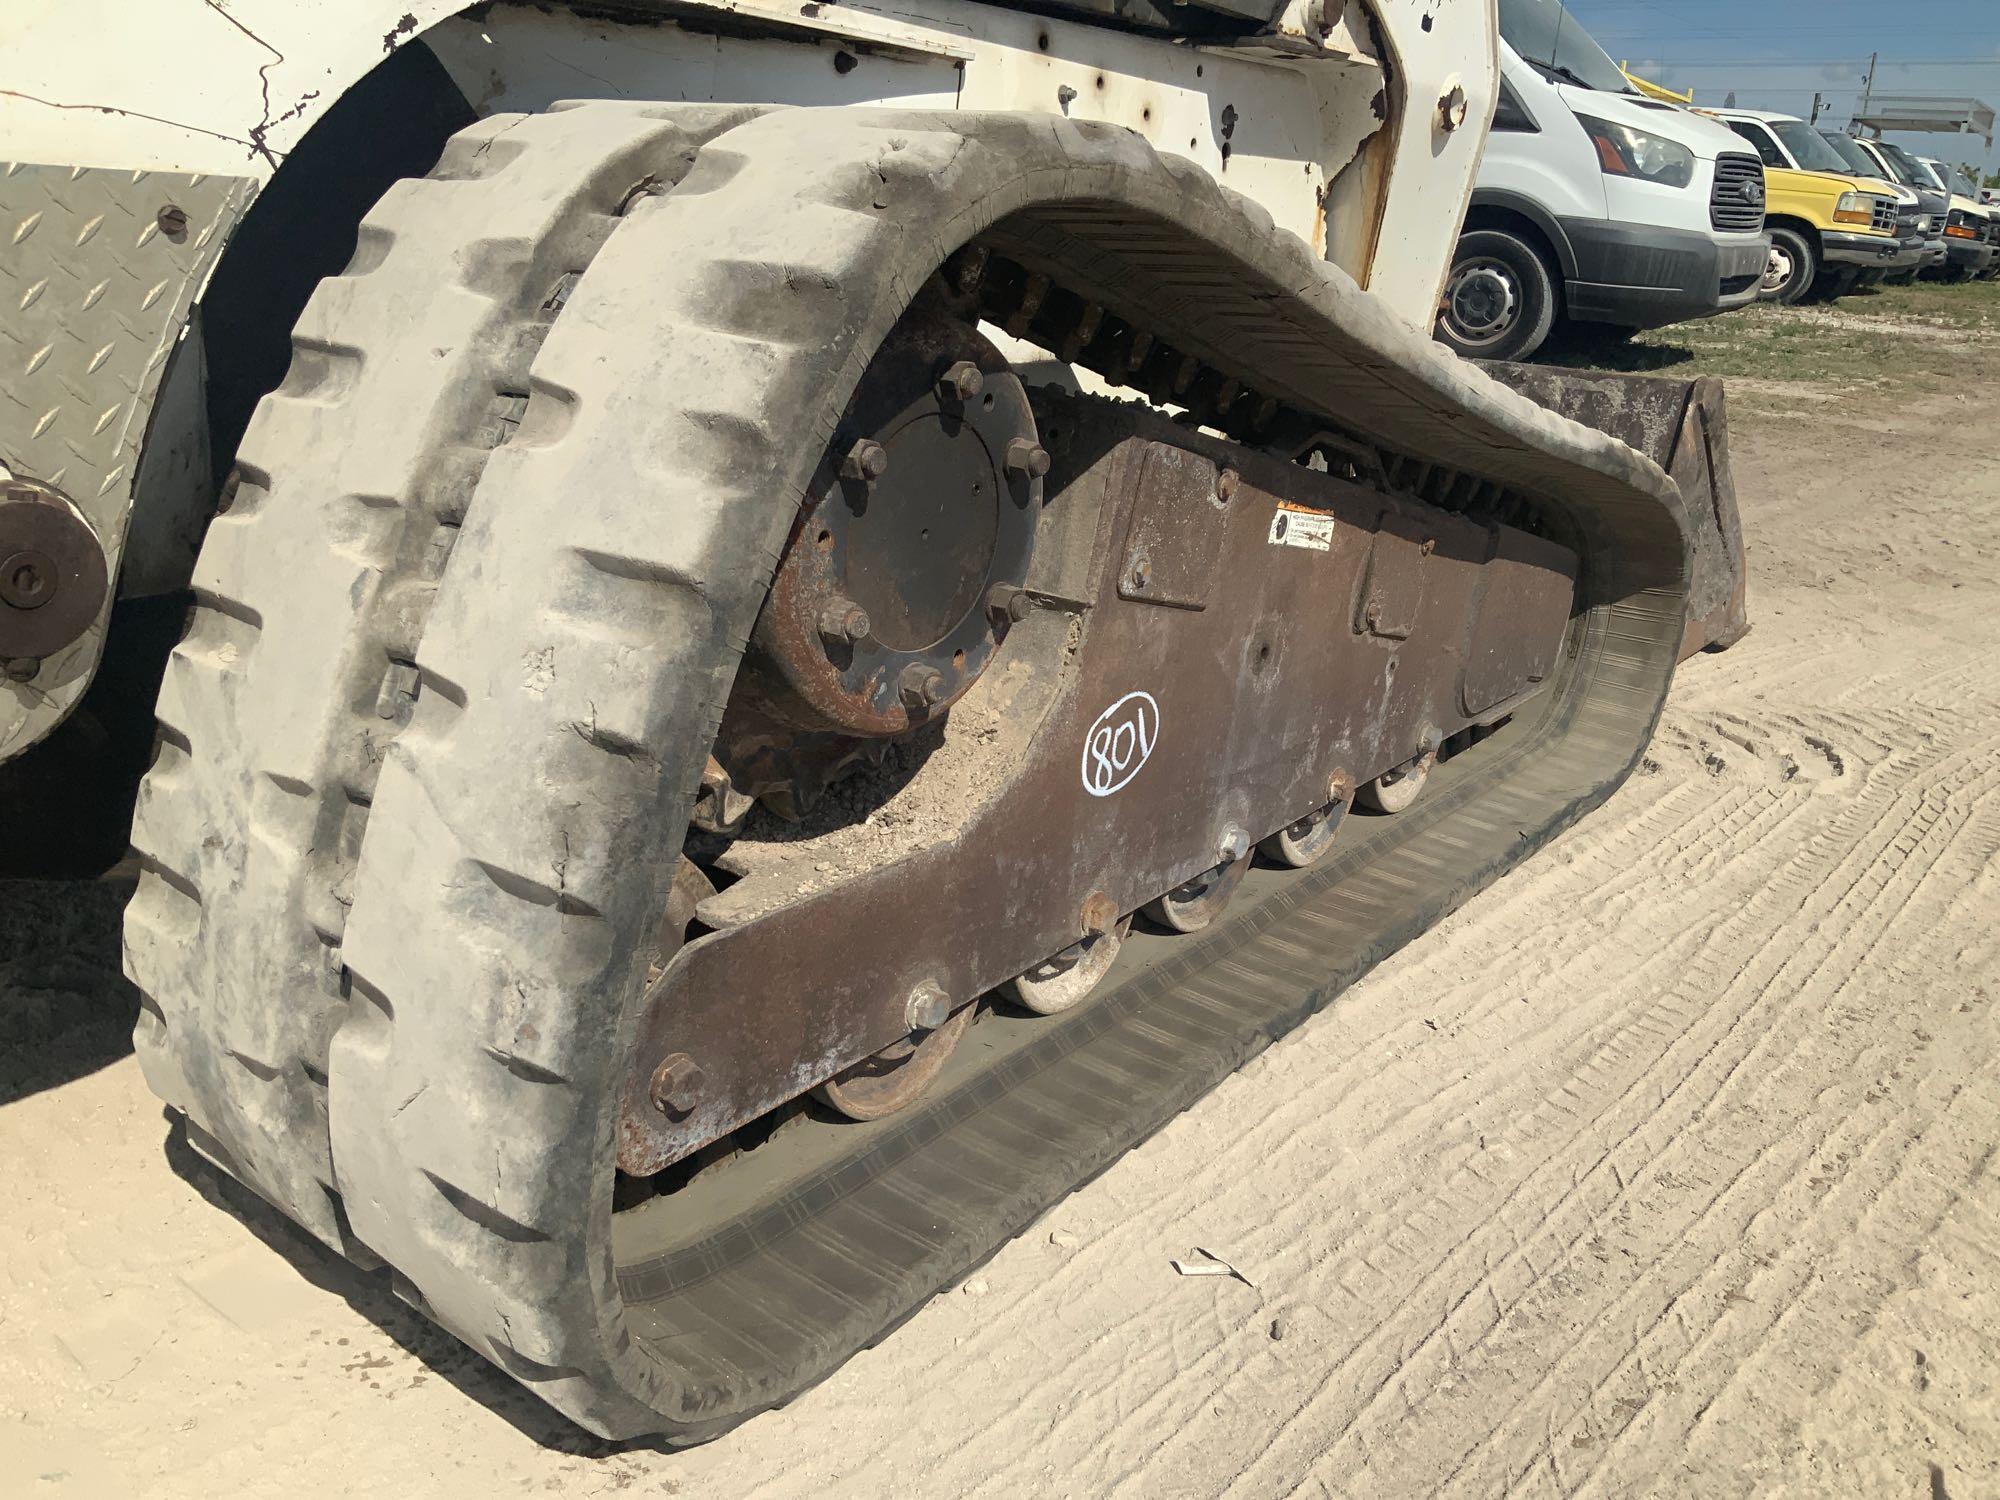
1666	1166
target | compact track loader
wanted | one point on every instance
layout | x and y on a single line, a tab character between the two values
791	657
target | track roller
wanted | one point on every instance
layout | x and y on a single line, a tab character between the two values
1395	789
1195	903
897	1076
1297	845
1054	985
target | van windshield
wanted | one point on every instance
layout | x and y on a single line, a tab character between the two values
1915	173
1859	162
1548	38
1807	147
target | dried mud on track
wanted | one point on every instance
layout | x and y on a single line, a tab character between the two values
1665	1166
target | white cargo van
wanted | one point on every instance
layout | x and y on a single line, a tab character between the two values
1595	204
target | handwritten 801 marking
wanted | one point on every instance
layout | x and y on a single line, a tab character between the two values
1119	742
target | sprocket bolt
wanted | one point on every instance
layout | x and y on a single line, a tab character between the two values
843	622
929	1007
1008	605
677	1084
867	460
922	686
1027	458
960	383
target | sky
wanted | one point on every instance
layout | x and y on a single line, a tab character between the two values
1774	53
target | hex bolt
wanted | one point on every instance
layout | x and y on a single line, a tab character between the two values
23	668
677	1084
929	1007
172	219
867	460
1027	458
922	686
1008	605
960	383
1234	844
1225	486
1142	571
843	623
1339	786
1098	915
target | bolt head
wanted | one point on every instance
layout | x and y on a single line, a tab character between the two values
172	219
1027	458
960	383
867	460
677	1084
1339	787
1225	485
843	622
922	686
1008	605
1233	845
1099	914
929	1007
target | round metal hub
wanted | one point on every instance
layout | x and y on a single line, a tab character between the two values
882	612
919	543
52	572
1483	300
1778	269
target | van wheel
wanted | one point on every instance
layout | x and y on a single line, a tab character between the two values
1499	300
1792	265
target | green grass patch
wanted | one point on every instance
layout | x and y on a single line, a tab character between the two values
1929	334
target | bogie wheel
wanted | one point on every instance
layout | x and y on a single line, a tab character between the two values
1054	985
1302	843
897	1075
1499	301
1195	903
1396	789
1792	267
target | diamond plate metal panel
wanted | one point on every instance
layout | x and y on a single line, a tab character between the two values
97	270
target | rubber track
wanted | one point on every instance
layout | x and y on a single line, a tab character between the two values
572	669
523	829
312	589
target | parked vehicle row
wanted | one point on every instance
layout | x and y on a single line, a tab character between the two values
1604	210
1596	205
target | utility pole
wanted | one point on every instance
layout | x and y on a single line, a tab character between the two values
1815	110
1868	87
